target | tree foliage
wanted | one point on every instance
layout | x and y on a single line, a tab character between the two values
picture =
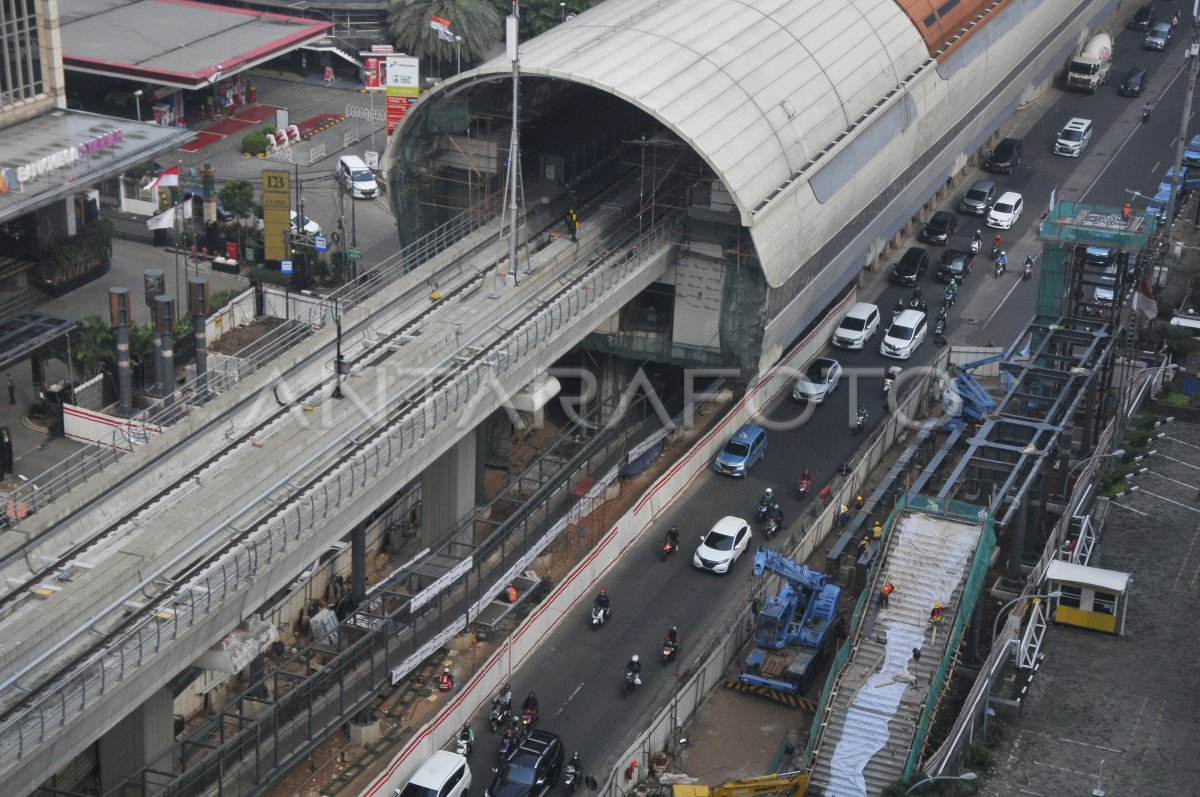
237	196
477	21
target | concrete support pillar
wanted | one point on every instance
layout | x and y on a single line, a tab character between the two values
1016	543
448	489
137	740
609	385
358	565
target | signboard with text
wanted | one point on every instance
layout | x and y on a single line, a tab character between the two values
402	87
277	205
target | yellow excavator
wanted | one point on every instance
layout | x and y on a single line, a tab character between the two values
789	784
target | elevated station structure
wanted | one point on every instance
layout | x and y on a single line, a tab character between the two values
800	138
772	150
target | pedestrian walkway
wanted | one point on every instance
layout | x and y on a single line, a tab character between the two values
241	120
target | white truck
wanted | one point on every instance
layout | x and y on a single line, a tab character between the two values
1089	69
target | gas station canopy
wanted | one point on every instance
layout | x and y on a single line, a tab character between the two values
176	43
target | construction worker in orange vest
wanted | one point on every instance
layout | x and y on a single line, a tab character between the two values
510	594
885	592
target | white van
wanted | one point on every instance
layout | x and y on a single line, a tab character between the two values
356	177
444	774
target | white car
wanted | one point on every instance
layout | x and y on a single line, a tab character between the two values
818	380
305	223
1006	211
905	334
857	327
722	546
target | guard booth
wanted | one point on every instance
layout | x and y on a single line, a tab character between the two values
1091	596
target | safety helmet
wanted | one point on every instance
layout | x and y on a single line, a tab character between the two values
674	629
770	491
1002	252
603	591
937	605
635	658
507	687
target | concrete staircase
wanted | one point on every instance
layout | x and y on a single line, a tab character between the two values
909	606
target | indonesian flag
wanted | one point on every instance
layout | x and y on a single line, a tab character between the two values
169	177
442	26
1143	301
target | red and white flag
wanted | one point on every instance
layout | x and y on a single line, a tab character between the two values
169	177
442	26
1143	301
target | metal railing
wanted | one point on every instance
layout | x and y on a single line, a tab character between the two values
34	724
68	474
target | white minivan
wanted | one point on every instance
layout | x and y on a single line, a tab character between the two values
905	334
444	774
857	326
356	177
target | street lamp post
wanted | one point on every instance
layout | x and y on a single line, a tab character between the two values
137	97
987	693
563	6
458	53
963	776
1120	452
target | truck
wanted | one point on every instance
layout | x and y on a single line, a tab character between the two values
794	631
1089	69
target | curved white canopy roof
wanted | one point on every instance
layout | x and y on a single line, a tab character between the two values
756	87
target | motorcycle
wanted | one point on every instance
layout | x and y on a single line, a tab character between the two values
1028	271
670	543
631	680
917	303
897	310
976	245
860	422
939	325
599	616
570	779
771	527
805	484
464	747
528	717
1145	113
760	514
1001	266
669	651
498	716
889	379
508	743
996	250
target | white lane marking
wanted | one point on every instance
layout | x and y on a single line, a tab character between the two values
1168	478
1169	501
1129	508
570	697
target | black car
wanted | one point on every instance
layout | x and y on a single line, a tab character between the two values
196	197
954	263
940	227
531	770
910	266
1143	18
1133	83
1005	157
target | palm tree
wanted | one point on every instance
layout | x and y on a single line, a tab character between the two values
476	21
93	347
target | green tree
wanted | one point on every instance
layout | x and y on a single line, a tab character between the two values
539	16
93	348
237	196
477	21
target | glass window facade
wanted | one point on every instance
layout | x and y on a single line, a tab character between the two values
20	52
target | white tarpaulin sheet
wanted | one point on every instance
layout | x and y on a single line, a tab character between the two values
927	562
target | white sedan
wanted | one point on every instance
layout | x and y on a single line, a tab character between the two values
722	546
818	380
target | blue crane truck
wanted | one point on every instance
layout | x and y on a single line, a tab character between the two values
795	629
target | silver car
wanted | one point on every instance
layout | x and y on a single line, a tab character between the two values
818	381
1159	37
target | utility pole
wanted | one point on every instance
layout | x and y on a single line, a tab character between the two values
1176	176
513	175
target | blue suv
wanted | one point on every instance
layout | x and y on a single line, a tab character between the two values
746	447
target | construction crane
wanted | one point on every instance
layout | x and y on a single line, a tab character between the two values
794	629
790	784
965	399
